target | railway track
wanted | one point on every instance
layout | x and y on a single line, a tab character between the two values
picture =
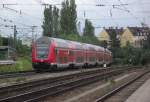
35	91
24	73
117	94
16	74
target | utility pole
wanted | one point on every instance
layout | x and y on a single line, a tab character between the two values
84	22
33	28
15	36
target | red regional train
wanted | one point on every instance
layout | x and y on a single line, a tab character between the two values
52	53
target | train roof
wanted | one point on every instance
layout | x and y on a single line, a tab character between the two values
43	40
70	44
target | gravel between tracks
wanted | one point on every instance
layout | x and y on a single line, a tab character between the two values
141	94
42	86
38	76
123	95
92	92
8	92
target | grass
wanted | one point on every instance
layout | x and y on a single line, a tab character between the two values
11	81
22	64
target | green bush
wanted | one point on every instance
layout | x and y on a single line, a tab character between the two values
145	58
22	64
117	61
131	55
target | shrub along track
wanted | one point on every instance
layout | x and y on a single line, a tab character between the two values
37	90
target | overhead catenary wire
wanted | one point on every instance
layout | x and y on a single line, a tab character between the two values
130	12
20	12
14	22
42	3
104	18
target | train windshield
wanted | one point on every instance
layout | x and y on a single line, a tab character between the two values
42	51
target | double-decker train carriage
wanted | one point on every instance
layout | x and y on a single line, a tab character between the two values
50	53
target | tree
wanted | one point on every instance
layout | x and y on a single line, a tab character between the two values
114	41
7	41
63	18
147	41
68	17
1	41
104	43
89	29
22	49
73	17
145	57
48	22
56	24
51	24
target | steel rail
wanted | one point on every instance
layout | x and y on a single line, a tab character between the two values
111	93
59	88
37	83
26	73
6	89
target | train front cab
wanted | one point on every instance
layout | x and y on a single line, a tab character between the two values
42	54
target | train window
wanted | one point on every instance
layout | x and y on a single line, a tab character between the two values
71	53
42	52
79	59
56	51
62	59
65	59
43	40
92	59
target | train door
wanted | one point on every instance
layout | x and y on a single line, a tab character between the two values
79	56
62	57
71	56
101	56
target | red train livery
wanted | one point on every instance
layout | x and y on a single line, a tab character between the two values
50	53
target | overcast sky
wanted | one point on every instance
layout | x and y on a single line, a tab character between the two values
131	13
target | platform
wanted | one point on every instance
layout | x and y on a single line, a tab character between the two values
142	94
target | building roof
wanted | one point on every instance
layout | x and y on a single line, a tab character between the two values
139	31
111	31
